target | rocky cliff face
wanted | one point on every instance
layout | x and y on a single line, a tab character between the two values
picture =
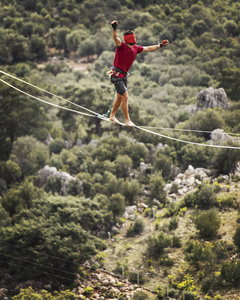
210	98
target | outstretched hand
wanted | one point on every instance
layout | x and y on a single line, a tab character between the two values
164	43
114	24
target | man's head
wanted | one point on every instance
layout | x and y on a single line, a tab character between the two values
129	37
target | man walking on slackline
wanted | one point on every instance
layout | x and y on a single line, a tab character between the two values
124	57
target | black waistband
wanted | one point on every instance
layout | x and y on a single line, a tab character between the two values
119	70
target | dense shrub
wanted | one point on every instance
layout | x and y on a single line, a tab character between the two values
157	188
157	244
208	223
138	226
205	196
200	255
56	146
230	272
173	224
29	294
236	238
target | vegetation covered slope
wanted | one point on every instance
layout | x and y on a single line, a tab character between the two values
55	218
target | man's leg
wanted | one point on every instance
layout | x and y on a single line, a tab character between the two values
115	107
124	100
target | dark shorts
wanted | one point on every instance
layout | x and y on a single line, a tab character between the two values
120	84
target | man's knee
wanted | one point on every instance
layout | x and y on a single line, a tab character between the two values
125	96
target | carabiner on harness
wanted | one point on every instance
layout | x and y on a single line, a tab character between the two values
112	72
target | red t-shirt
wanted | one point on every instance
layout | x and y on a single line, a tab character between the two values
125	56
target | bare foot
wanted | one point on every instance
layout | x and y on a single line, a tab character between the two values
130	123
113	119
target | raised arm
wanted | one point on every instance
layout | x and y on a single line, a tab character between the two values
155	47
117	40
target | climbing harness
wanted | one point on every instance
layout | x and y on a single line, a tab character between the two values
116	72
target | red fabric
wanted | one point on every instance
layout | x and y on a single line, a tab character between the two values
130	39
125	56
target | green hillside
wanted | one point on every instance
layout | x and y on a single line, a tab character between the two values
67	177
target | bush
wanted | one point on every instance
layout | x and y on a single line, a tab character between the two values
236	238
29	154
29	294
173	223
148	212
117	204
130	231
176	242
230	271
227	201
88	291
190	200
157	188
140	295
138	226
200	254
208	223
56	146
156	245
205	197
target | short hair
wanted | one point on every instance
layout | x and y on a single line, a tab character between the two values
127	32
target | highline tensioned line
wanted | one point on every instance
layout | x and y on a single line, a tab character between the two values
95	114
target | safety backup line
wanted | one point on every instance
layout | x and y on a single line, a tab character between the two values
106	119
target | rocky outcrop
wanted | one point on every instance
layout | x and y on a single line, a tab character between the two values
187	182
218	136
64	178
130	211
104	285
210	98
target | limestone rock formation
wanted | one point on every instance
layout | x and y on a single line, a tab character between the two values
210	98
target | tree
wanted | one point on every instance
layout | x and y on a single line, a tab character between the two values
20	197
16	118
225	161
157	188
231	28
163	163
123	165
230	81
157	244
53	236
29	154
130	190
75	38
198	28
208	223
194	155
117	205
10	172
207	120
87	48
37	48
205	196
61	42
14	47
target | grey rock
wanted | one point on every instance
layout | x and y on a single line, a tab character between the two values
210	98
